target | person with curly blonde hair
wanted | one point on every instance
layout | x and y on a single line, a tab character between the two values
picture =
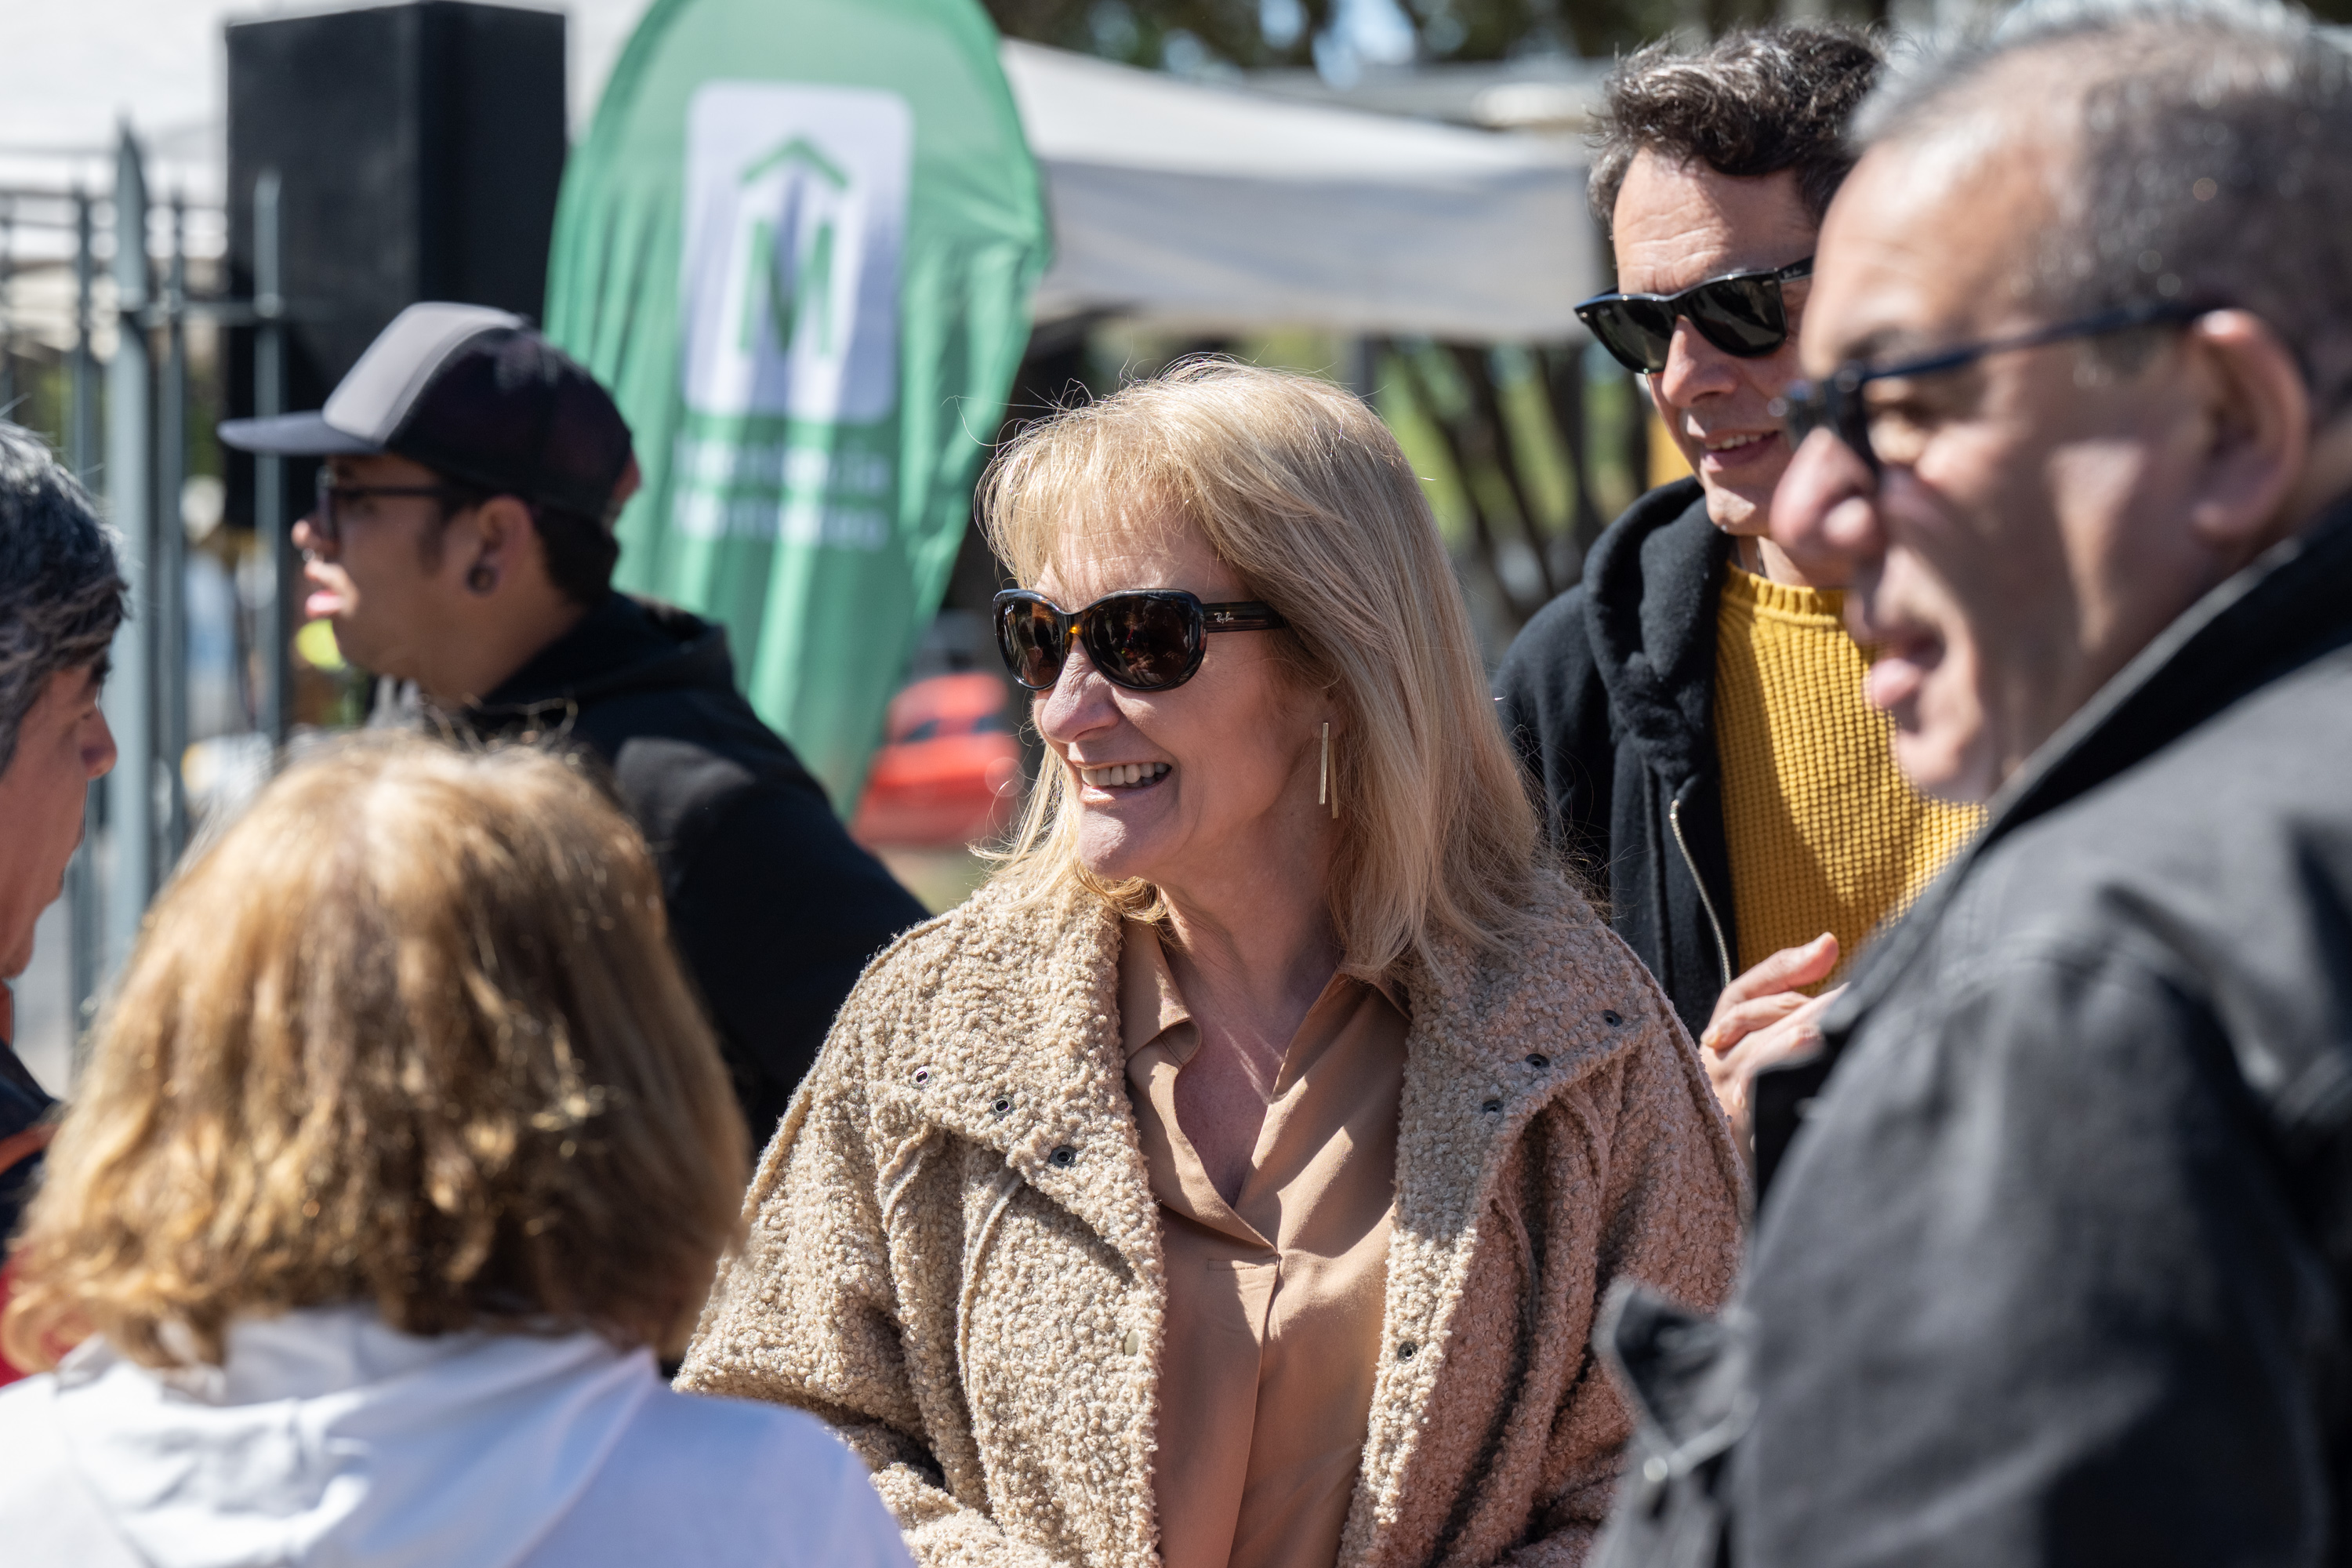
1233	1181
404	1151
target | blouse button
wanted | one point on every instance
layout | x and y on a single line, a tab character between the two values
1063	1157
922	1076
1405	1351
1611	1019
1538	1060
1493	1108
1002	1103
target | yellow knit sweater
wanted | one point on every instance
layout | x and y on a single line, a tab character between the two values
1825	834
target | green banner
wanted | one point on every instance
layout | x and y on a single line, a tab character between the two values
798	243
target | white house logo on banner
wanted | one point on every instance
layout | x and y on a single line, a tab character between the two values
796	214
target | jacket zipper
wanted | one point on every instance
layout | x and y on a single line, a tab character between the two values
1705	902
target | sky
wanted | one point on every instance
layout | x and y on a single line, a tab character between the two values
74	68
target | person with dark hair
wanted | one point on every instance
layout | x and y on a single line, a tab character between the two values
2054	1245
1692	712
62	595
463	539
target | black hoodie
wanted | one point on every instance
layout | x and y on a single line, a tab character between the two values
1609	695
774	910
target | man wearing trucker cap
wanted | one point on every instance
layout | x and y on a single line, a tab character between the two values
463	539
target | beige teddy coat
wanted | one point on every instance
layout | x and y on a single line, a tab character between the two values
954	1252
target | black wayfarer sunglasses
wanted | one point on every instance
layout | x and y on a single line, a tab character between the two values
1741	313
1146	639
1836	405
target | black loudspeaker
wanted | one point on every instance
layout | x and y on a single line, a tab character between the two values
418	150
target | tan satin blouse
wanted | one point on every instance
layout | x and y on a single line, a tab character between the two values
1275	1299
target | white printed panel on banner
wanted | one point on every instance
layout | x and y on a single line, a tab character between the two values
795	217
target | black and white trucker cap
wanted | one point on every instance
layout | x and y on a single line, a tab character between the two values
476	395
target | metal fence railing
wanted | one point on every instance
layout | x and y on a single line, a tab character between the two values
123	422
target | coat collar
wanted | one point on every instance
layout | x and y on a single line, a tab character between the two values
1650	613
1496	1039
1033	1068
1037	1071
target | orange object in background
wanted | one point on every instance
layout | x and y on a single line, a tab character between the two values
949	772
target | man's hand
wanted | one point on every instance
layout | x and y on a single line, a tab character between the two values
1762	1018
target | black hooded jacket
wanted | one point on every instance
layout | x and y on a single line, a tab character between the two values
2054	1259
774	910
1609	695
25	1105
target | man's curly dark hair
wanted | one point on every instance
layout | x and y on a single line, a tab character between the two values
1751	103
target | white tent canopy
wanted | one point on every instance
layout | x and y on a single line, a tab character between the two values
1215	209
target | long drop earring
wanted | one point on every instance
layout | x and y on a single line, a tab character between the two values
1323	792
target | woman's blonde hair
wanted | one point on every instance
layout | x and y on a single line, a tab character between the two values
1300	488
411	1033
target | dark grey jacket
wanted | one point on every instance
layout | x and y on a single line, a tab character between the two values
2055	1271
774	910
1609	695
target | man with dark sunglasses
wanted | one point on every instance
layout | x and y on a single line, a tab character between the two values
2053	1261
462	540
1692	712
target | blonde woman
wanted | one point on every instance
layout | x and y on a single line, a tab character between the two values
1233	1180
403	1150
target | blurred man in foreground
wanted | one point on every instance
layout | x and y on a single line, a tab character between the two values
463	539
61	596
1692	712
2056	1270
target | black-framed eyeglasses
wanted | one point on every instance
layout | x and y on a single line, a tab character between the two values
1742	313
326	513
1149	639
1837	404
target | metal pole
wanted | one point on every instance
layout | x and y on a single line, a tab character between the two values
81	418
82	436
131	500
8	316
171	548
269	517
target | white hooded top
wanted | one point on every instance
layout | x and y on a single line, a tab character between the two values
328	1439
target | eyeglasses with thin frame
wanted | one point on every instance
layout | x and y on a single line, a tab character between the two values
326	519
1149	639
1744	314
1837	404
